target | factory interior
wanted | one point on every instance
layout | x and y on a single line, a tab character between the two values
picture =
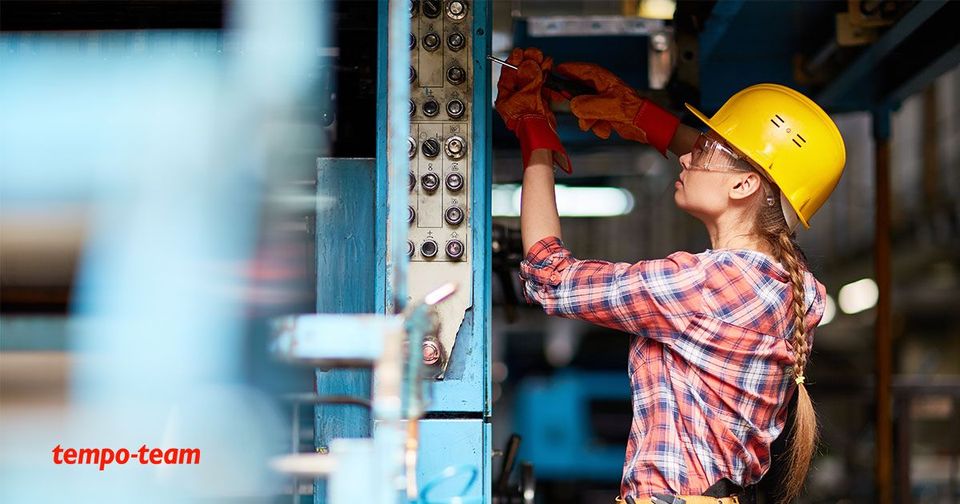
221	225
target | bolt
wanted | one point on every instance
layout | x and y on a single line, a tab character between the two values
455	41
431	353
456	75
430	182
456	10
454	182
454	249
455	147
455	109
428	248
431	41
659	42
453	215
431	108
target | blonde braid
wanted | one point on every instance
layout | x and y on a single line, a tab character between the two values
789	259
771	227
803	436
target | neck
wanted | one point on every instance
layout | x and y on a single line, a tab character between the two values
735	232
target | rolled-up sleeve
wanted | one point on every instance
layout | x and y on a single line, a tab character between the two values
637	298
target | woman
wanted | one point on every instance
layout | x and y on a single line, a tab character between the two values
720	339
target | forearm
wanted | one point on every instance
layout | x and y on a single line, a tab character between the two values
538	202
683	140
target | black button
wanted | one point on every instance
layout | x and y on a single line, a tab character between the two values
431	8
431	107
455	41
455	109
430	182
428	248
456	75
431	41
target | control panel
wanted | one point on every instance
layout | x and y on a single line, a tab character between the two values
440	144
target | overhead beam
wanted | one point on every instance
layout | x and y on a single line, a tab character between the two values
721	17
871	57
922	79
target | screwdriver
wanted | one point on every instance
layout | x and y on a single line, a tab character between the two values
566	87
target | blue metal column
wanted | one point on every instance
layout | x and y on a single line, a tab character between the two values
345	242
456	431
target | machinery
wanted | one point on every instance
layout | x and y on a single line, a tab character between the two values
413	334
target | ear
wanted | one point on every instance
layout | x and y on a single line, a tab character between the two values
744	185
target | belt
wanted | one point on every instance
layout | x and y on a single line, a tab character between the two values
689	499
693	499
724	491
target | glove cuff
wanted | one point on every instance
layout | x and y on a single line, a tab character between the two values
535	132
658	124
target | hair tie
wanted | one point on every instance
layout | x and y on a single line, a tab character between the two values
799	380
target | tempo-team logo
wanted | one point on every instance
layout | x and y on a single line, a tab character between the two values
106	456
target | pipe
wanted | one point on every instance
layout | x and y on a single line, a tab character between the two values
883	330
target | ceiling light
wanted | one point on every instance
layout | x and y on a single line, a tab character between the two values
858	296
657	9
571	201
829	311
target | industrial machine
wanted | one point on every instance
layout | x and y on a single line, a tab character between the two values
411	338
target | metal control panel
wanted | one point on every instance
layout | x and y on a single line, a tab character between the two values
439	212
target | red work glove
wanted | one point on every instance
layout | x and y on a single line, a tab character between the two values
522	106
618	107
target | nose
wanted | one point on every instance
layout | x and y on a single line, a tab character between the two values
685	161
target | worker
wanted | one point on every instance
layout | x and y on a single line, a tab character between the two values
720	340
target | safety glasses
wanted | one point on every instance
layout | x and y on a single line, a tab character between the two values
713	155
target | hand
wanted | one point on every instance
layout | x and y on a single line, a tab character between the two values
523	108
519	91
617	107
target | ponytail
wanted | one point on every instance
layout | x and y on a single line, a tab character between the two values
772	227
803	436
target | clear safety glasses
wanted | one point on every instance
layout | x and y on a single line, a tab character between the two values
713	155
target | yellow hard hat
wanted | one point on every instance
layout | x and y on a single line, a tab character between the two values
789	137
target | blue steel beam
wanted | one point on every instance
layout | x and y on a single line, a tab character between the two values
872	56
398	129
947	61
721	17
345	240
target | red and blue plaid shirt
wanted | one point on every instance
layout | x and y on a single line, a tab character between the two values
710	361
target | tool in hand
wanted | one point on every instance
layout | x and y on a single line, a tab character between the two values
566	87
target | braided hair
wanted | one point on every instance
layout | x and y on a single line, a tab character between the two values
771	226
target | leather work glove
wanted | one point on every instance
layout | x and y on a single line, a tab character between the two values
616	106
521	103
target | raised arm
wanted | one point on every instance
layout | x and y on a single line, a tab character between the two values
683	139
538	204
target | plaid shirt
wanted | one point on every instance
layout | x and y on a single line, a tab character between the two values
709	363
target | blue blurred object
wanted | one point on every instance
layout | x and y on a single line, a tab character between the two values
559	417
161	135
